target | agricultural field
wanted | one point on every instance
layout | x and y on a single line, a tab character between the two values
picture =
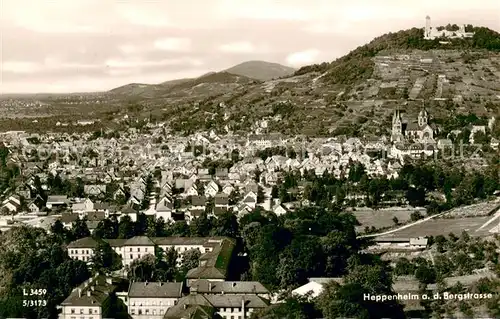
444	226
383	218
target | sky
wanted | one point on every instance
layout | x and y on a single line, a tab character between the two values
57	46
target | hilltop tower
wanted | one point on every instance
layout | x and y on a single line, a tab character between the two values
427	33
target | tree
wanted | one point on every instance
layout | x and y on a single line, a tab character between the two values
416	215
356	172
234	197
126	228
31	258
226	225
274	191
142	269
300	260
80	229
107	229
260	195
60	232
348	300
201	226
190	259
404	267
295	307
425	274
395	220
105	259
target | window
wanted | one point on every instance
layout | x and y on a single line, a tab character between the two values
132	311
138	249
232	317
130	248
72	311
146	249
90	311
87	251
81	311
140	312
131	256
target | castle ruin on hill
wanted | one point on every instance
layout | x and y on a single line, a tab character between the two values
431	33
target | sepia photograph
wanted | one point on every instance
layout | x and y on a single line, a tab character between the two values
236	159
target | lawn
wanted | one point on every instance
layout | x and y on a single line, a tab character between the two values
434	227
381	218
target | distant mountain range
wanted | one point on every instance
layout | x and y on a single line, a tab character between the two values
261	70
251	70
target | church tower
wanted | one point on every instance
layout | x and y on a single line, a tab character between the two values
423	118
397	126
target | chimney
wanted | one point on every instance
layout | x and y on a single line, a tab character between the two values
92	288
243	305
209	286
79	292
185	306
89	292
234	284
146	283
109	281
160	284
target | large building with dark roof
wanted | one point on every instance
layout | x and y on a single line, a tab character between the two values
152	299
214	261
206	306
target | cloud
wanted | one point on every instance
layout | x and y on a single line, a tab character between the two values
22	67
173	44
302	58
131	63
238	47
129	48
145	14
264	10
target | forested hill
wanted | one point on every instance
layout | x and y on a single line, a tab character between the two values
358	65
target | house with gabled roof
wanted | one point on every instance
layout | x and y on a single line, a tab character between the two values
221	200
94	190
211	189
56	200
92	298
198	202
250	199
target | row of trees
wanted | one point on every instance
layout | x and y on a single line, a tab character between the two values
33	259
414	184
